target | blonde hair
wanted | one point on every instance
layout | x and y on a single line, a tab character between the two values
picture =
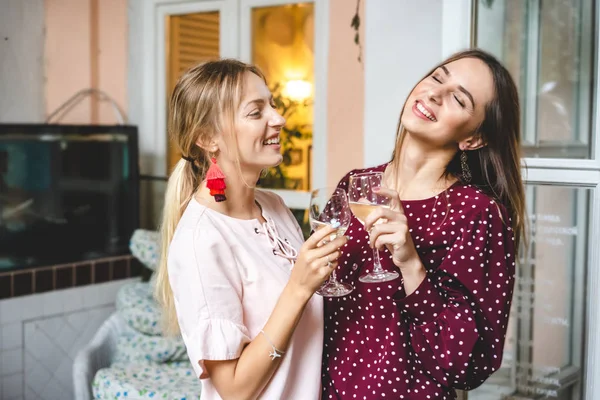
202	104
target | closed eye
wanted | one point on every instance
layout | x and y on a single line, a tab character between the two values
459	102
435	78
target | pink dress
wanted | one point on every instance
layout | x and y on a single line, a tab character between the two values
449	333
227	275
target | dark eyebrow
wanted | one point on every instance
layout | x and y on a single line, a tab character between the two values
461	88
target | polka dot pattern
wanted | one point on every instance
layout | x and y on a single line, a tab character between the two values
449	333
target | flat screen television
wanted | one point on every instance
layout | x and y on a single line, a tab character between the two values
67	193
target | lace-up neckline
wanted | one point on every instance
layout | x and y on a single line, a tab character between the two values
281	246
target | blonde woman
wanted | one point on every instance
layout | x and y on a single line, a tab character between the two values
235	277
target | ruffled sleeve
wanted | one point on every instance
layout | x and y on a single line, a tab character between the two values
208	296
215	339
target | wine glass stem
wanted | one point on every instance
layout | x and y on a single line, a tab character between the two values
332	277
377	268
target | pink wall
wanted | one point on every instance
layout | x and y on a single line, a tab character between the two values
86	47
346	92
112	55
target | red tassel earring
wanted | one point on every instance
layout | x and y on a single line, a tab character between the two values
215	181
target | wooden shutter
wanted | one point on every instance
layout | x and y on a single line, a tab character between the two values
192	39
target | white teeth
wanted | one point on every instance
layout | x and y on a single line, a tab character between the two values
425	112
272	141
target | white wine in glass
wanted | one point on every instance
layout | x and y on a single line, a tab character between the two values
362	210
329	207
363	201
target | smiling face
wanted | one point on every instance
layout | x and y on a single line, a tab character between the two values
446	108
257	127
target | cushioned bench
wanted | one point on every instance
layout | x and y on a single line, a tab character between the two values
171	381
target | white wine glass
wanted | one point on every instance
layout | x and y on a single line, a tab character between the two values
329	207
363	201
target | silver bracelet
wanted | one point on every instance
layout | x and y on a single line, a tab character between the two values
276	352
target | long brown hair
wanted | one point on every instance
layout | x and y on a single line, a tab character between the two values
496	167
202	104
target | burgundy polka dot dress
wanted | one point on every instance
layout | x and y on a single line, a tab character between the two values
381	344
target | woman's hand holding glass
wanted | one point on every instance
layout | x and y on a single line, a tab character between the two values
329	207
316	261
388	227
365	200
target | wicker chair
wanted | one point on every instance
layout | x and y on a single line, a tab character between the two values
98	354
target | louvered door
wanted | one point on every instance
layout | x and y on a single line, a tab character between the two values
191	39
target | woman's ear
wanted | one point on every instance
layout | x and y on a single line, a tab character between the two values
472	142
209	145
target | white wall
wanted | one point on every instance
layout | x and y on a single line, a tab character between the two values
41	334
456	25
403	41
138	94
21	60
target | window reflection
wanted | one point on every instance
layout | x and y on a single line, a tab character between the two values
549	49
545	341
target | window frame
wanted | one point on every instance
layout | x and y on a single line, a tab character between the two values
582	173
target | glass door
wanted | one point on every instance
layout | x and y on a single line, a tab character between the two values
278	37
550	48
